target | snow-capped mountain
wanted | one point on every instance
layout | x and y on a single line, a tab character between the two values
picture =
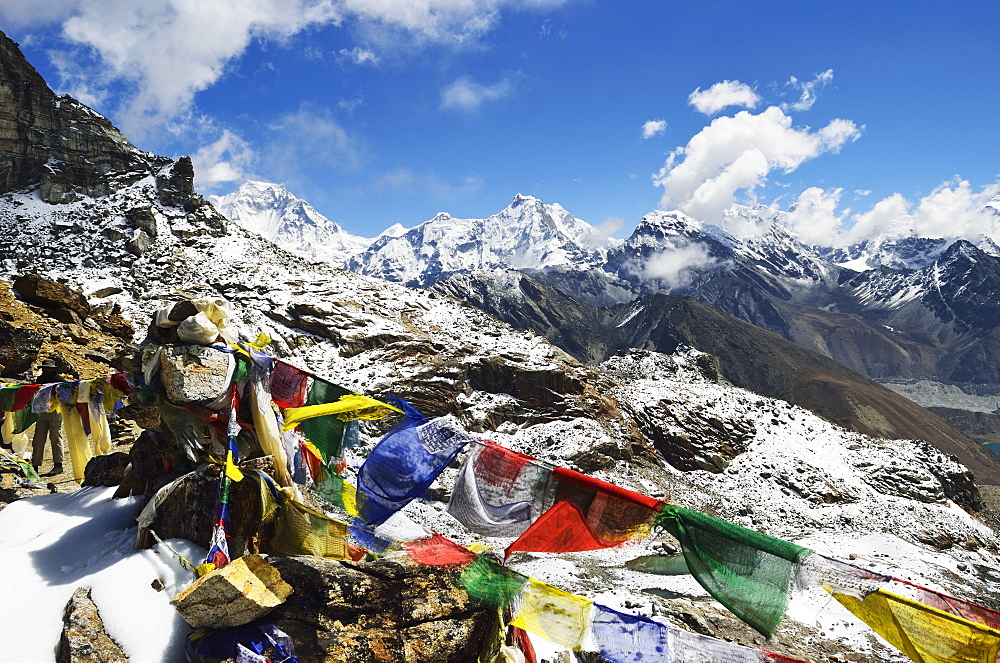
526	234
293	224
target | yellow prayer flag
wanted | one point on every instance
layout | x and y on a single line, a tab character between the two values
232	471
349	496
80	452
555	615
347	408
923	633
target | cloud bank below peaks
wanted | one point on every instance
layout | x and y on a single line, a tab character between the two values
737	153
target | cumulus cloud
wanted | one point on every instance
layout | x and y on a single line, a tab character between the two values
227	159
166	52
953	210
722	95
737	153
653	127
807	90
467	95
676	267
152	58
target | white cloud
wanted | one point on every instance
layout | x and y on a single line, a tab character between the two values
467	95
676	267
166	52
738	153
722	95
953	209
19	14
611	225
359	56
889	215
227	159
151	58
807	90
653	127
814	219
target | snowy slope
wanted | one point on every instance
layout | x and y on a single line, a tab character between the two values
291	223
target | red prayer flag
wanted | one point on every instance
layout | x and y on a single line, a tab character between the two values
584	481
562	528
436	550
24	396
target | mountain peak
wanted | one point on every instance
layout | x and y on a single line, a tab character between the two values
269	209
521	199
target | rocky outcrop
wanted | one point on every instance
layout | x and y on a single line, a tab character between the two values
187	511
410	613
194	373
55	142
84	638
18	349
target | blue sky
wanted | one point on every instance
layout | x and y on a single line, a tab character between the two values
385	111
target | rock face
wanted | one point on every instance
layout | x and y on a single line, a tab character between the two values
84	639
187	512
234	595
411	613
56	141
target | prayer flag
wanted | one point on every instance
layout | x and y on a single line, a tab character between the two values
748	572
436	550
404	464
555	615
624	638
923	633
589	514
500	492
491	582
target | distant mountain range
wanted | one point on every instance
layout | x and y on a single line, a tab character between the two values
897	308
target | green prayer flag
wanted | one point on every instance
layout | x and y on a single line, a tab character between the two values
7	396
327	433
492	583
748	572
330	486
242	370
23	419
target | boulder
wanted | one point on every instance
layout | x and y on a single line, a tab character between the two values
194	373
388	611
18	349
107	470
84	638
237	594
35	289
187	512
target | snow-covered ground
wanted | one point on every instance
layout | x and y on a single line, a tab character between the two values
52	544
